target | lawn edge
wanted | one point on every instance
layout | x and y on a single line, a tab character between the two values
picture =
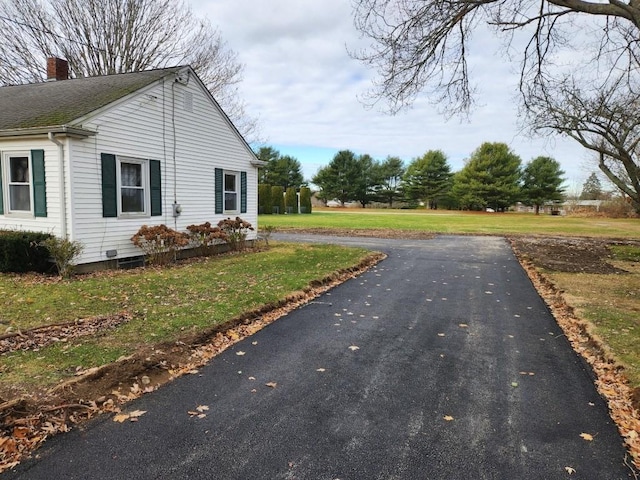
33	419
608	374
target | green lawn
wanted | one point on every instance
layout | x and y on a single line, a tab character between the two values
166	303
452	222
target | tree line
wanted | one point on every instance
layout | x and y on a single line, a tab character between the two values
281	186
493	177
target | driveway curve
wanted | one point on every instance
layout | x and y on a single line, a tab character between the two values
442	362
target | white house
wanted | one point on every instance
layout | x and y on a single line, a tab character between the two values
93	159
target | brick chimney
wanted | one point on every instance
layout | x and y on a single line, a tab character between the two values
57	69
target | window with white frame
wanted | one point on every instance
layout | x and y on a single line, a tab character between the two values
133	182
231	190
19	183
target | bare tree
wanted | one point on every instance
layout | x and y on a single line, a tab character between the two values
100	37
579	65
606	122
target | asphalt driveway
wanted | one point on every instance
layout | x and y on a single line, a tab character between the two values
440	363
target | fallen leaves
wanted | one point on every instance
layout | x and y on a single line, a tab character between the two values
271	384
611	381
199	411
570	470
448	418
353	348
40	337
587	436
131	416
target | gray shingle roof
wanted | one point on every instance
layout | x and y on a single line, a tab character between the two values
50	104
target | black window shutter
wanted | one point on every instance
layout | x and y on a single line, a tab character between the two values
155	182
219	193
109	185
243	192
39	184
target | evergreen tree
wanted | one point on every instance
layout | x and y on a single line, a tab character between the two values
340	179
367	181
489	179
281	170
390	174
428	178
592	188
541	182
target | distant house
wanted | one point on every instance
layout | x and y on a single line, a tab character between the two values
93	159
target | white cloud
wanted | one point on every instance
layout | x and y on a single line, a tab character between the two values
301	82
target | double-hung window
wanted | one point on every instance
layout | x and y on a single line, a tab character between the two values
231	192
131	187
133	176
19	182
22	183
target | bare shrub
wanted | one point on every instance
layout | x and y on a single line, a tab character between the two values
159	243
64	253
236	231
204	237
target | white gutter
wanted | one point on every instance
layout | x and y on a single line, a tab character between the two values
63	206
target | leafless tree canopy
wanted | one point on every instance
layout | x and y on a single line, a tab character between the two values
99	37
579	65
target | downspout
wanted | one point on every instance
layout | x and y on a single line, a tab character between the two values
63	205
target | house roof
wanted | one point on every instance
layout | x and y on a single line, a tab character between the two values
59	103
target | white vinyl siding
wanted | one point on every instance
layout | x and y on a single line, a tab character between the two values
16	216
135	129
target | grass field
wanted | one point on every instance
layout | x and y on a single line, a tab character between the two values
453	222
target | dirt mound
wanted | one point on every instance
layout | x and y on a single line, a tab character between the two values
569	254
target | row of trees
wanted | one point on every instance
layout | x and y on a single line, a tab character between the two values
275	199
493	177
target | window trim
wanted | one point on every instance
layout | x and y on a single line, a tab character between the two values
146	187
236	192
7	183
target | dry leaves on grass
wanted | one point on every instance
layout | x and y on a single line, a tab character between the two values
41	337
611	381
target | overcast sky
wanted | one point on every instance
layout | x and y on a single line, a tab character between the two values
301	83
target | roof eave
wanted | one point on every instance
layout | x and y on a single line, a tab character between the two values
71	131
